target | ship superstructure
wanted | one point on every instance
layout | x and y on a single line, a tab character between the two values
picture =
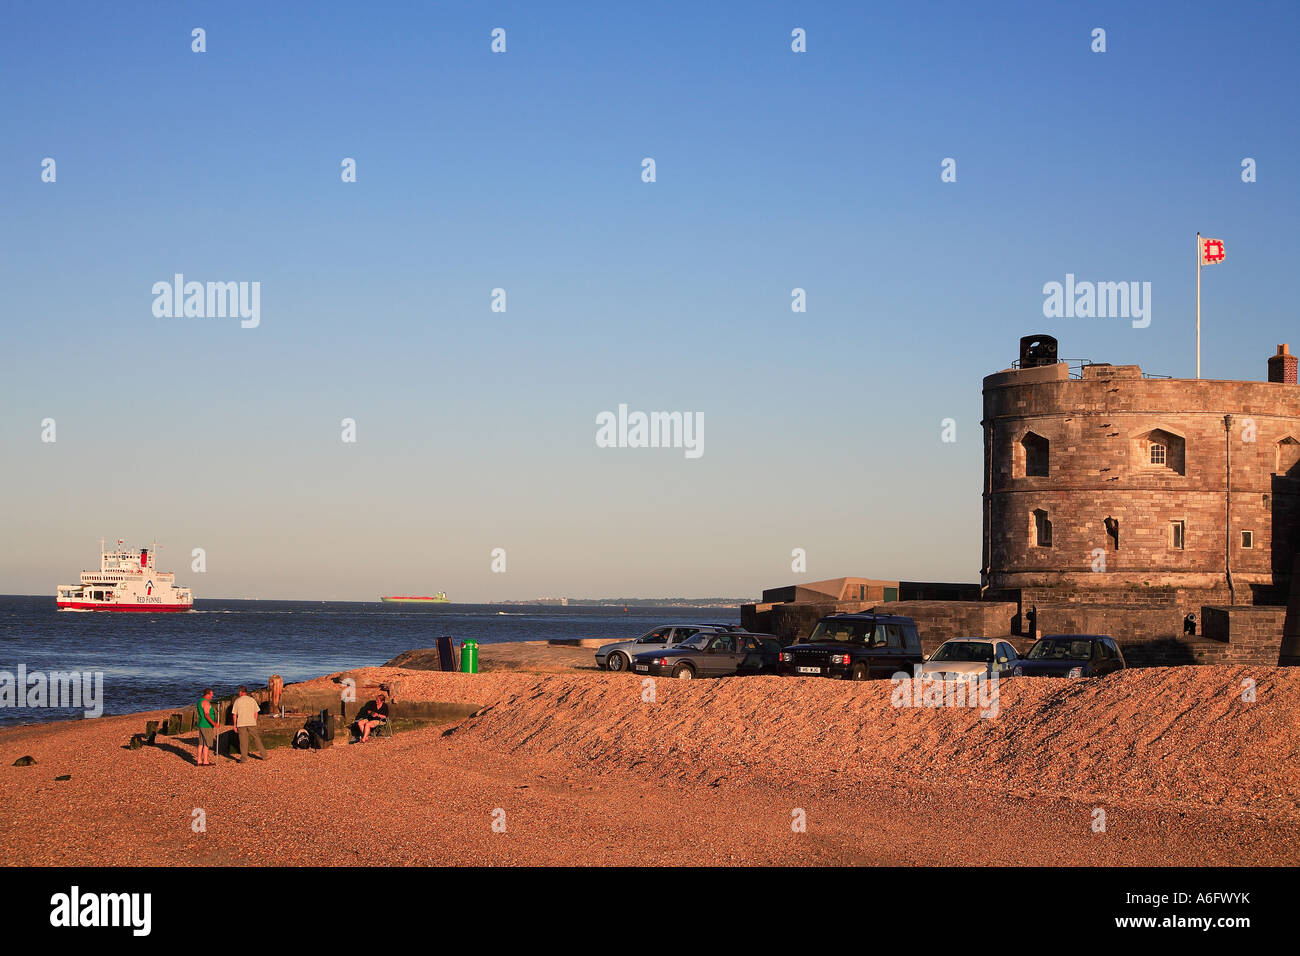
127	580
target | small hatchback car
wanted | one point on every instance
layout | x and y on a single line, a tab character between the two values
857	646
961	658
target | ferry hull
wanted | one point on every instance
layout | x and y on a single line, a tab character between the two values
414	600
137	608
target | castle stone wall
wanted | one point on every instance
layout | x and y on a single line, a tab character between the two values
1098	432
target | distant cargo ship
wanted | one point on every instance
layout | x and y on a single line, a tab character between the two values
127	580
439	597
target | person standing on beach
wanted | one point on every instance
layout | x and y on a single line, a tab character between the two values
245	711
207	727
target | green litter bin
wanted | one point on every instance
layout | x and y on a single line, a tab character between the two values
469	657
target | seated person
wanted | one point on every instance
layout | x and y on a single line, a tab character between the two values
372	715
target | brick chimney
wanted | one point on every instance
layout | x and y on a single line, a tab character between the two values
1282	366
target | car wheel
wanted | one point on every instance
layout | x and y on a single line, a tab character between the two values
859	672
617	661
684	672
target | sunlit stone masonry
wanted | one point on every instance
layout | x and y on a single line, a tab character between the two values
1120	501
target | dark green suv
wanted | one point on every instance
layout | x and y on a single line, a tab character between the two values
857	646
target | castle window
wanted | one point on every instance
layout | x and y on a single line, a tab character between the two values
1248	539
1036	451
1288	458
1159	451
1042	529
1177	535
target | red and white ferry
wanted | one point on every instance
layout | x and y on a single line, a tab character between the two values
127	580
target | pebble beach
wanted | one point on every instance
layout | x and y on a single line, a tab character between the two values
562	764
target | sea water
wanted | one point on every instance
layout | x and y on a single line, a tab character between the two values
155	661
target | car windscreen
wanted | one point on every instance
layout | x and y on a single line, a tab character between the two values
964	651
847	632
696	640
1061	649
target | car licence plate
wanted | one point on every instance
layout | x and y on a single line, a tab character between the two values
643	667
809	670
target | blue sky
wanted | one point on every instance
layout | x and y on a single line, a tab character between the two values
522	170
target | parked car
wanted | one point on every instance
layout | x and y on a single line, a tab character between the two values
713	655
618	657
857	646
961	658
1071	655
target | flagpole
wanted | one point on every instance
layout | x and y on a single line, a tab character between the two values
1198	305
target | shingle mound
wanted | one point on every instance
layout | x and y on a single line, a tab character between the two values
1176	736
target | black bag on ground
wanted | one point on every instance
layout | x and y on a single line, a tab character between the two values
302	739
321	730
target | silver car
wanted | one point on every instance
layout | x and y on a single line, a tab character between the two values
618	657
961	658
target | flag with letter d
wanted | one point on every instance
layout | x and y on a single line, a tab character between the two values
1211	251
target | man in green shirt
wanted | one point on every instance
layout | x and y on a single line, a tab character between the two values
207	727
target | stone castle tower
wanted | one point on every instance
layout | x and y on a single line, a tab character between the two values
1106	485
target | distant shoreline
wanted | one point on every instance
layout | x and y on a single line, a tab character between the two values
632	602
